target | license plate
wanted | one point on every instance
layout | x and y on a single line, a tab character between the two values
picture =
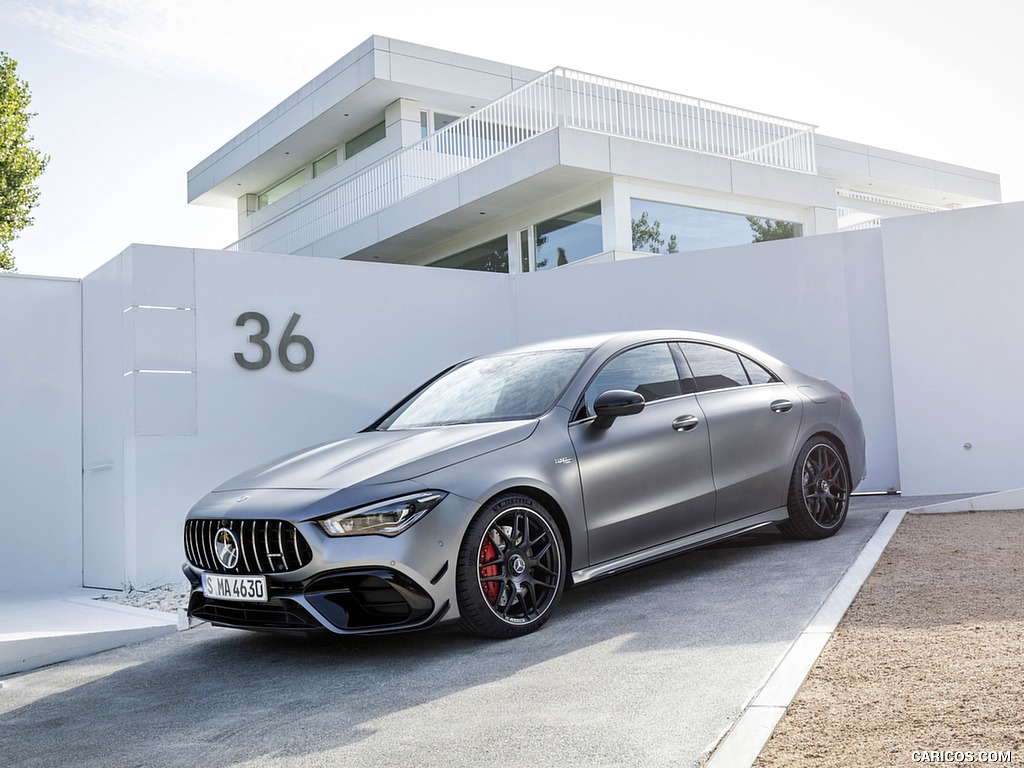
249	589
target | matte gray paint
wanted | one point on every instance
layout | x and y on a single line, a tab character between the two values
620	506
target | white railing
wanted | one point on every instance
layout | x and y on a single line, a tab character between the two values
560	97
870	224
892	202
608	106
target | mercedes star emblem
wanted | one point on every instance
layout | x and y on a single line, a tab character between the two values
227	548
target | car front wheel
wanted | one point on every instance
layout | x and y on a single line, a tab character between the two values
511	570
819	491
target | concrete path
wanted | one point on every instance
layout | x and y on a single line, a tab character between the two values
648	668
45	628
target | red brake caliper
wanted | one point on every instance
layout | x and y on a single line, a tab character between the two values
488	554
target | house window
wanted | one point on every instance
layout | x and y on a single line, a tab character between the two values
569	237
486	257
668	228
281	189
325	163
431	121
365	139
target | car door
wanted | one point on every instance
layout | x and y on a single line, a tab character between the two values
646	479
753	421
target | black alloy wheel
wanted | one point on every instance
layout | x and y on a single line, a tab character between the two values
819	492
511	568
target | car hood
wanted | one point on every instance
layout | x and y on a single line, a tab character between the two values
380	457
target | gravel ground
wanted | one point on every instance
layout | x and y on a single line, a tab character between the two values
927	665
167	598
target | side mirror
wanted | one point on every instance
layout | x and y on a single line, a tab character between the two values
614	403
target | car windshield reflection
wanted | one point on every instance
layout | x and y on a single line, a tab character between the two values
498	388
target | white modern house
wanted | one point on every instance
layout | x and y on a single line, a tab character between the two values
560	203
407	154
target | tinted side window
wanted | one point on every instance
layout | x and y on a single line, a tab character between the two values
714	367
757	373
649	370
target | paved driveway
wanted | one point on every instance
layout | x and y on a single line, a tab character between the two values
646	668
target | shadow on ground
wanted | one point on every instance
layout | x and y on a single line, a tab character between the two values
647	667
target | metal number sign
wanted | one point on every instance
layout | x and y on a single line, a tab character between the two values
288	338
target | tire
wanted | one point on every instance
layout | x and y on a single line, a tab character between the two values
511	568
819	491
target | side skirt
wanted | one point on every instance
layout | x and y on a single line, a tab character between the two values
668	549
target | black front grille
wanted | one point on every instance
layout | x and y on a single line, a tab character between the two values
264	546
369	599
276	614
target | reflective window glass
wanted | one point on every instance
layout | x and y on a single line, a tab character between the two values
569	237
434	121
649	370
441	120
486	257
714	367
717	368
282	188
325	163
668	228
366	139
520	385
757	373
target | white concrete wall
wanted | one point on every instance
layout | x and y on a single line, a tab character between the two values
956	322
172	414
103	440
139	384
40	433
919	320
379	330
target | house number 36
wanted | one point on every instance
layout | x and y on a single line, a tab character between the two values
288	339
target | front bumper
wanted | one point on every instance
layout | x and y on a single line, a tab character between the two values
355	601
346	585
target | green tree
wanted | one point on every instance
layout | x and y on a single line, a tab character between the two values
647	235
770	229
20	163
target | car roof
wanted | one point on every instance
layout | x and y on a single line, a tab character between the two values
626	338
596	341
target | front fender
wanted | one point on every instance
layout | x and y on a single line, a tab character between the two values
545	462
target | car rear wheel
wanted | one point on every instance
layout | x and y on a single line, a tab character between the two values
511	570
819	491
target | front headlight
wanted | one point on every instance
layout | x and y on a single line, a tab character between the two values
386	518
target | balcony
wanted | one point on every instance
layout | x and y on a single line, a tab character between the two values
559	98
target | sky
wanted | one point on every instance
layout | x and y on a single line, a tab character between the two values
130	95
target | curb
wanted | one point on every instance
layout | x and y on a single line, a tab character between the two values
744	741
992	502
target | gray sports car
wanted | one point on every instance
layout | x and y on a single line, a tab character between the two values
485	492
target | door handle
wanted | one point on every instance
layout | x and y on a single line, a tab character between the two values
781	406
684	423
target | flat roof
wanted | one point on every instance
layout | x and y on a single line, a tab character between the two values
341	102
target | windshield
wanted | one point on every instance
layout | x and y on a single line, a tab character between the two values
500	388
